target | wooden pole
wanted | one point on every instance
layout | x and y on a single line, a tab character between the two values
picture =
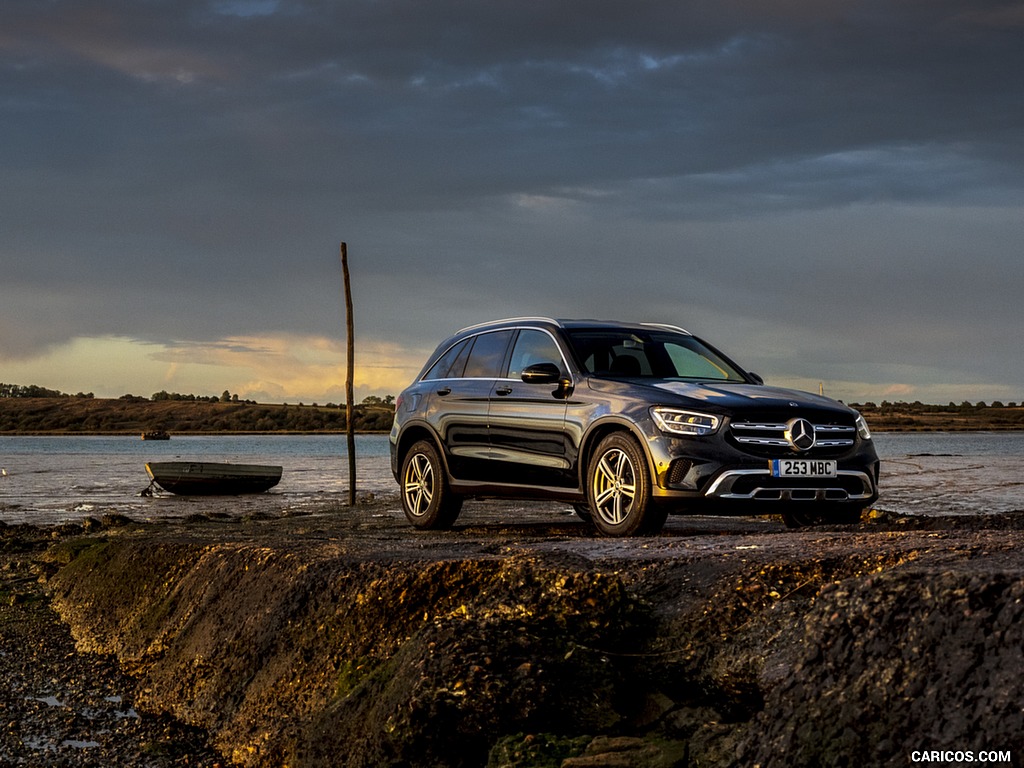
350	426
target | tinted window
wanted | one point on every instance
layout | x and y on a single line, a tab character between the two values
655	354
488	355
533	347
450	364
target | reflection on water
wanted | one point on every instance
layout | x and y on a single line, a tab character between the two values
52	479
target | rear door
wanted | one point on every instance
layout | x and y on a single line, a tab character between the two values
459	403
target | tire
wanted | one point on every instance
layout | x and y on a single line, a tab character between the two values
835	514
801	518
427	500
619	489
583	513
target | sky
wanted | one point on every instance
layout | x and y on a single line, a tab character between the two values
830	192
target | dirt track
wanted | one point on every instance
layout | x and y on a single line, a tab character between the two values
350	639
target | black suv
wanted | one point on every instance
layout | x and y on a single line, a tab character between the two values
626	422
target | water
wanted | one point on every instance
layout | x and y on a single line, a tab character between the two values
951	473
53	479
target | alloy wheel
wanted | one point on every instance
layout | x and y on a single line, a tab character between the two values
419	485
614	486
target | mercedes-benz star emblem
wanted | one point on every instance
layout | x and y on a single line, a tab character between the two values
800	434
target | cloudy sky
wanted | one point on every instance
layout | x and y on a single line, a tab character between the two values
829	191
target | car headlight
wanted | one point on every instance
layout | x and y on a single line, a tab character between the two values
862	428
679	422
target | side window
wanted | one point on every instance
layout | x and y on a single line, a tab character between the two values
629	359
533	347
450	364
487	355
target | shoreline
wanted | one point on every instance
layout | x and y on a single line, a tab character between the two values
197	433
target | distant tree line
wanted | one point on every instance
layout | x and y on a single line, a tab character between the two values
32	390
225	397
184	414
919	407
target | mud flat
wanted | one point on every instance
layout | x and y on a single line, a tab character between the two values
519	639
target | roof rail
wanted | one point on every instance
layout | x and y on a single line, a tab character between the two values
506	320
669	327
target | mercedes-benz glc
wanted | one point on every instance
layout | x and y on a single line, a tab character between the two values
627	422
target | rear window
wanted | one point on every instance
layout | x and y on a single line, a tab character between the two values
451	364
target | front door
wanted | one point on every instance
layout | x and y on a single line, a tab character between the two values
527	421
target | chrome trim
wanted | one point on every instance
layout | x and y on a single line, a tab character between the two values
482	330
736	428
667	326
507	320
721	488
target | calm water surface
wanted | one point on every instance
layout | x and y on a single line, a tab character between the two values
952	473
52	479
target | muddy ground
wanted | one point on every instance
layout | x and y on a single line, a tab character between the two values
519	639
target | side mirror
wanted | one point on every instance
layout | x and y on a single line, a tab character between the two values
755	377
541	373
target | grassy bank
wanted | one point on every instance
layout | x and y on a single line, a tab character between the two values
920	417
82	415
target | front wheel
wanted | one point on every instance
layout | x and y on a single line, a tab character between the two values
426	498
836	514
619	489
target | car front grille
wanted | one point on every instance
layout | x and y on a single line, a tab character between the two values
768	438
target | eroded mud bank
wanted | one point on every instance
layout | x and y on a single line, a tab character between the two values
349	640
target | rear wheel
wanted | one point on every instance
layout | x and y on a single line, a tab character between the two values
426	497
619	489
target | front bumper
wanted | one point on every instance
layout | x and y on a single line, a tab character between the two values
758	484
713	470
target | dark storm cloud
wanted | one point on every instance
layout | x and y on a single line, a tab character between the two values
215	152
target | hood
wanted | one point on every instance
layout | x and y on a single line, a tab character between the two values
746	397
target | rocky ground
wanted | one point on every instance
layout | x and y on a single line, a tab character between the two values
518	639
65	708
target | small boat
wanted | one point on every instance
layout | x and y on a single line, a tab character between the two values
207	478
155	434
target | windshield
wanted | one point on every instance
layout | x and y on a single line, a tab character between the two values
631	353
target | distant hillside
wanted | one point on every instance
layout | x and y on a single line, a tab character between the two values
86	415
125	415
911	417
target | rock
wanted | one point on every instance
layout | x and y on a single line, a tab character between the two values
629	752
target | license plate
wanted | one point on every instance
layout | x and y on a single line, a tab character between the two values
802	468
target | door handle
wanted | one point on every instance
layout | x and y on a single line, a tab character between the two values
502	391
444	391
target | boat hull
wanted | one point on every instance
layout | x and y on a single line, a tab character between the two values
206	478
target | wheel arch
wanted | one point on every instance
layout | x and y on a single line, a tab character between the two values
411	435
599	432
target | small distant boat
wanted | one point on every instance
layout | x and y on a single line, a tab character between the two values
205	478
155	434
